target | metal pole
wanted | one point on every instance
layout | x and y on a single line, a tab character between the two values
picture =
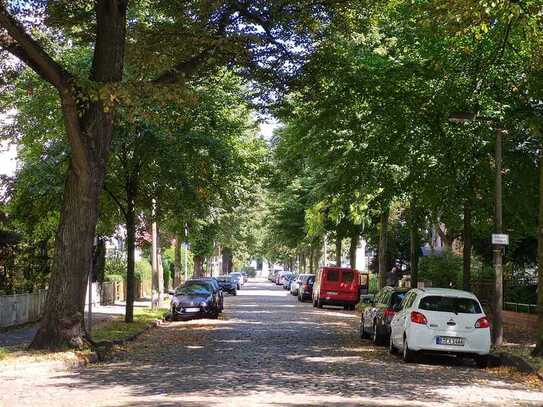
497	249
325	251
89	323
186	262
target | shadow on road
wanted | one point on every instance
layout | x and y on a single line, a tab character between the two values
271	350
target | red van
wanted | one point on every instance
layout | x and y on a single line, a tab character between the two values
336	286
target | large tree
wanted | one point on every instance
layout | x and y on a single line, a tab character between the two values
201	35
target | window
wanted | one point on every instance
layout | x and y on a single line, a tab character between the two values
348	276
457	305
397	298
332	275
385	298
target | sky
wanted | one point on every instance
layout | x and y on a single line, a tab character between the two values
8	156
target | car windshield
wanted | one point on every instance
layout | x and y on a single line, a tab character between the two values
224	279
457	305
194	289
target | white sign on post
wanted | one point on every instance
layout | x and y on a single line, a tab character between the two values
500	239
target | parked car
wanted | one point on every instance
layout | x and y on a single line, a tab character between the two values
336	286
283	276
216	288
295	284
194	299
238	278
228	284
305	288
289	278
441	320
377	314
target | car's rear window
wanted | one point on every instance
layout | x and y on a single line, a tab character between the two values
332	275
458	305
397	298
348	276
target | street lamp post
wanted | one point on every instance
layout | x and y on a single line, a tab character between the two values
497	324
498	239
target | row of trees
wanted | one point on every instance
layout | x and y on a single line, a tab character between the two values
148	92
368	141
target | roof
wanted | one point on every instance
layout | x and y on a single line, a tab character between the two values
446	291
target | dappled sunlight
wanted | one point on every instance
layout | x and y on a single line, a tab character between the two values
275	351
262	293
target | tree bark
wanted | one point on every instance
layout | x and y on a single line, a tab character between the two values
227	259
99	262
177	262
352	249
466	251
382	249
538	351
130	260
338	251
198	266
89	129
414	246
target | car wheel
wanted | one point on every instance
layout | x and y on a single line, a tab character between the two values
408	355
391	348
481	361
235	292
376	337
363	334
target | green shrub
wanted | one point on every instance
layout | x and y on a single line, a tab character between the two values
443	271
115	265
143	270
373	286
113	278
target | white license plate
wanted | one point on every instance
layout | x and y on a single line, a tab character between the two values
450	340
331	292
192	309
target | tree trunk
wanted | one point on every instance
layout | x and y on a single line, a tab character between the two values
198	266
130	260
160	277
177	262
227	259
414	246
538	351
382	249
338	251
466	252
352	249
89	128
99	263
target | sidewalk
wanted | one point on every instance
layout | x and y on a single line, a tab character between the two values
22	336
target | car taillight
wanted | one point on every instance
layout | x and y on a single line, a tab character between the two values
482	323
389	313
418	318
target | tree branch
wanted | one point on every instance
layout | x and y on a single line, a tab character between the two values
115	199
20	44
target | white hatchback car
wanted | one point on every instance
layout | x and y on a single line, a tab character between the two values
441	320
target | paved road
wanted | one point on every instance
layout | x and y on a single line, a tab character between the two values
267	349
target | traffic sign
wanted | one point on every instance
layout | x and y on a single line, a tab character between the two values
500	239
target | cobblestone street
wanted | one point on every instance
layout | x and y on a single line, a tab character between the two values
267	349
